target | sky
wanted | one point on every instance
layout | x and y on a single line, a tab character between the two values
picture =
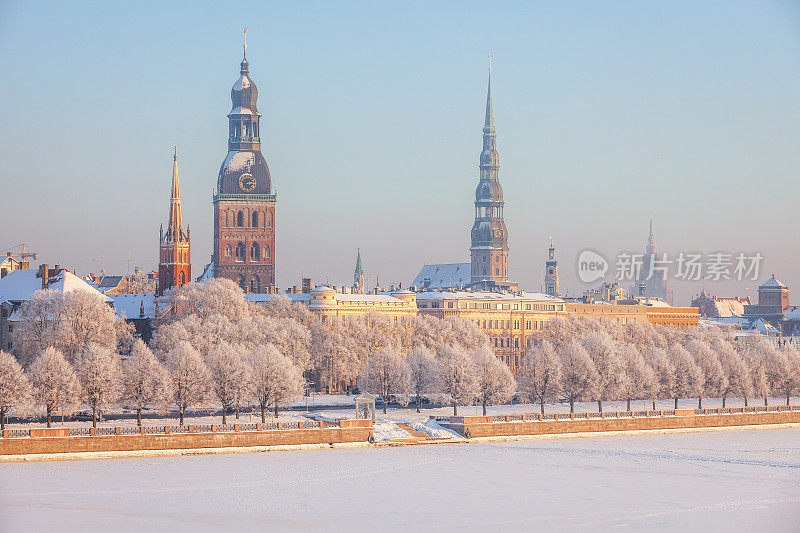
608	115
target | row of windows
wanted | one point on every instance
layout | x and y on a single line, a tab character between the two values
250	128
181	257
169	280
234	219
492	305
253	286
506	324
505	342
255	252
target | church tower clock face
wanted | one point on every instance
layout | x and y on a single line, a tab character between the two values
247	183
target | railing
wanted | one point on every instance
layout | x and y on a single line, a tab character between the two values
191	428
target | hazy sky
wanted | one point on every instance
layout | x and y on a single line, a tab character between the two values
607	114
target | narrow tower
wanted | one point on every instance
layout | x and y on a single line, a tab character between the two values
244	203
551	272
358	276
174	264
489	238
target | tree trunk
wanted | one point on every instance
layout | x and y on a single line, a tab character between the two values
263	413
455	409
745	401
571	405
237	410
599	406
419	402
139	417
182	411
766	404
385	401
2	419
49	414
484	407
787	399
628	408
676	402
700	403
541	406
723	401
224	412
276	408
654	405
94	415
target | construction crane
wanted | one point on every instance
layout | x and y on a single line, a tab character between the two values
22	254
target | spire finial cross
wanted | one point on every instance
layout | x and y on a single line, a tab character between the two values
175	154
244	46
490	62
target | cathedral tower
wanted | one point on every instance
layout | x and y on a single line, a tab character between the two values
551	273
358	275
489	242
244	203
175	262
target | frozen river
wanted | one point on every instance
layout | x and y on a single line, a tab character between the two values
721	481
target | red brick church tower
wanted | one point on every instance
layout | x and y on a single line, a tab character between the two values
175	262
244	203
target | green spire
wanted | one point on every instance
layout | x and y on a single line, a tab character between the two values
359	268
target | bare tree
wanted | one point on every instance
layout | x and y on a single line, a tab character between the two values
457	376
54	382
541	376
144	380
783	371
688	376
714	377
664	373
15	388
189	376
737	374
387	373
274	378
636	378
334	355
495	383
423	373
605	354
100	377
759	352
579	378
229	375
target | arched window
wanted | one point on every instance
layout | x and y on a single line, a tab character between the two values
266	251
182	278
255	284
496	271
255	253
228	251
255	220
484	271
240	252
270	219
240	219
240	282
168	280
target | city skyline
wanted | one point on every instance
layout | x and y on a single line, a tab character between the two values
587	156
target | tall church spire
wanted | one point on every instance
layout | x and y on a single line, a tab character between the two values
174	265
175	223
488	126
358	275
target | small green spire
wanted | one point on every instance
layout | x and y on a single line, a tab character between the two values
359	268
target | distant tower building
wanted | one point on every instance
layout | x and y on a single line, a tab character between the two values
358	276
489	238
551	273
244	204
652	282
174	264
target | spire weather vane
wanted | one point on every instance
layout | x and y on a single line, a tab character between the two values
490	62
244	46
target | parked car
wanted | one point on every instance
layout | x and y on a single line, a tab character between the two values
86	415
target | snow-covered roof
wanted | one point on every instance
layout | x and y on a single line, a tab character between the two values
792	312
443	276
772	283
730	306
208	272
19	285
764	327
537	297
294	297
107	283
129	305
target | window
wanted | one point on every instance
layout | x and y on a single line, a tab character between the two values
270	219
255	253
255	129
266	251
255	284
228	251
168	280
240	253
182	279
255	220
240	219
240	278
496	271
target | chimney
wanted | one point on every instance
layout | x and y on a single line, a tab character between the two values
44	273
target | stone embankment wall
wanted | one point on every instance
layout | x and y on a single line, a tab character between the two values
56	440
519	425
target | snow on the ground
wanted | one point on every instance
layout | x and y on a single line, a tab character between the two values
385	431
432	428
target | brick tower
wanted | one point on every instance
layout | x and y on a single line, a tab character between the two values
175	260
244	204
489	237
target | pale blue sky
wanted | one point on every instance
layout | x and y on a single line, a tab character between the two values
607	114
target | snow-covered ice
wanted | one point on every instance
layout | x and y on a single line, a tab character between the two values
721	481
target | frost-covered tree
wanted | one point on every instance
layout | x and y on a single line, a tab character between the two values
15	388
386	373
457	375
139	283
688	376
579	377
144	379
495	383
217	296
100	377
714	377
422	372
541	375
228	373
736	371
189	377
783	371
637	379
54	382
664	373
334	355
274	378
605	355
759	352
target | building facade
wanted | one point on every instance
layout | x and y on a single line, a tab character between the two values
489	236
244	203
175	260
